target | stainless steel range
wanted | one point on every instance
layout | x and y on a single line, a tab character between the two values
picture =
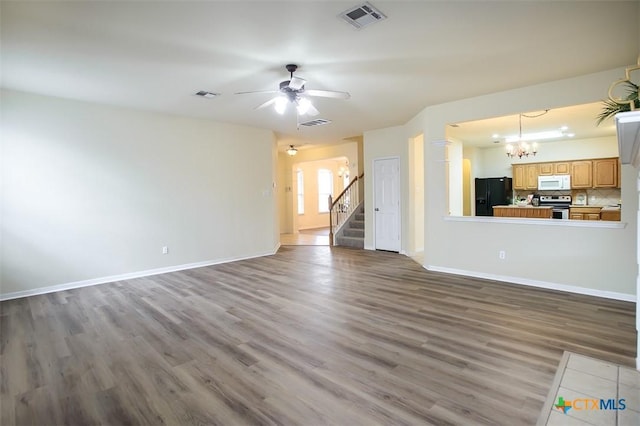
560	204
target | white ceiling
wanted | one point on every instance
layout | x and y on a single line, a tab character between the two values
156	55
580	120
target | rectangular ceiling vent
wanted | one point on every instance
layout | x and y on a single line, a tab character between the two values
208	95
316	122
362	15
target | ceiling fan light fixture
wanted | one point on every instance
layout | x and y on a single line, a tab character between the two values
292	151
281	104
303	106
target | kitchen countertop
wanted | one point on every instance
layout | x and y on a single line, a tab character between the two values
573	206
528	206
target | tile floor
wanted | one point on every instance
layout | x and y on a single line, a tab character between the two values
579	381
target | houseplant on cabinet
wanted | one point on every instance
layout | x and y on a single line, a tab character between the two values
613	106
626	111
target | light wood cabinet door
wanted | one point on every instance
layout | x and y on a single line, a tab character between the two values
529	212
610	215
563	168
551	169
584	213
518	177
605	173
581	174
546	169
531	176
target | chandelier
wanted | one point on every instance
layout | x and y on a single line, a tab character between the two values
522	149
292	151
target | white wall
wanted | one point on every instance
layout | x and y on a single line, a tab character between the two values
454	164
590	258
385	143
92	191
416	199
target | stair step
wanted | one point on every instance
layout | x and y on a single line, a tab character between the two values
358	224
359	216
354	232
350	242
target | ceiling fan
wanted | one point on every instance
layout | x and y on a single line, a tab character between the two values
293	91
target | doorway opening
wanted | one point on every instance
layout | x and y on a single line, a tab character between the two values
311	184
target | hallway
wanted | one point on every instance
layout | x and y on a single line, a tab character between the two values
306	237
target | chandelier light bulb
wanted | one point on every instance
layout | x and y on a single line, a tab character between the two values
522	149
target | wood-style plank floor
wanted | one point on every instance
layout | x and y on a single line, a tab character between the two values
309	336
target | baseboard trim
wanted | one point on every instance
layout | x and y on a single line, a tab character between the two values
127	276
535	283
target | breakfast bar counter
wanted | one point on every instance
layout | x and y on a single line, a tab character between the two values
537	212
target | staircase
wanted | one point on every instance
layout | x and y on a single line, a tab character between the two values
346	215
352	233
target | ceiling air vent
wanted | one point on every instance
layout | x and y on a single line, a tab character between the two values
207	95
316	122
362	15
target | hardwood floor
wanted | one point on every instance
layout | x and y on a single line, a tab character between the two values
311	335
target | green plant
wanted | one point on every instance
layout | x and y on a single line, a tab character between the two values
611	107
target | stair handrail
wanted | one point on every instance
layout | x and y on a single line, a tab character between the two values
343	206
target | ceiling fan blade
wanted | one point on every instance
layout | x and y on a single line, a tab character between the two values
312	111
256	91
296	83
327	94
266	104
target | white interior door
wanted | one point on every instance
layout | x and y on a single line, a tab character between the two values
386	203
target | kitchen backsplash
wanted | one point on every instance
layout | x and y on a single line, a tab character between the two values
595	197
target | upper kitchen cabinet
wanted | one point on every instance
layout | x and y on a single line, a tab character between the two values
552	169
581	174
518	176
525	176
605	173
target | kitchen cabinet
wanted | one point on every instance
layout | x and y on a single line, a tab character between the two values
525	211
525	176
584	213
563	168
546	169
551	169
518	176
581	174
605	173
585	174
531	176
610	214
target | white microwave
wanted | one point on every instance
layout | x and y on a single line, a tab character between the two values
554	183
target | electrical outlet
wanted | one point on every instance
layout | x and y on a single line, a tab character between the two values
165	250
502	255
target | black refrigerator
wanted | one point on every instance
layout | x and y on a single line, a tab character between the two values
492	192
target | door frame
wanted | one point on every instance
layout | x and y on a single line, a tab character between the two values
373	187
